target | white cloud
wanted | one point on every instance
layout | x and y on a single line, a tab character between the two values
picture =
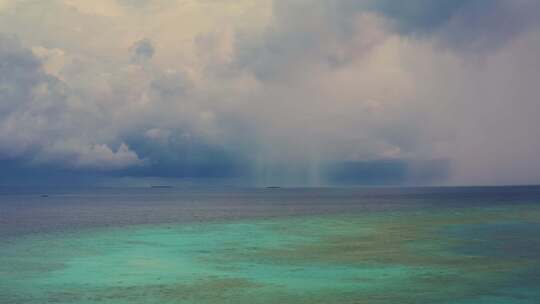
100	156
53	60
157	134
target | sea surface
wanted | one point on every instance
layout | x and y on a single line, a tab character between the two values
471	245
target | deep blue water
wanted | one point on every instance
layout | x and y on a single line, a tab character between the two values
28	210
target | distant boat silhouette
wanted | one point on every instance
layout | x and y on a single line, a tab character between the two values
44	195
273	187
160	186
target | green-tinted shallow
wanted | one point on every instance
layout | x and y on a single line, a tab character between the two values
466	255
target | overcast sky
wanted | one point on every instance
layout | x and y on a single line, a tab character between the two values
259	92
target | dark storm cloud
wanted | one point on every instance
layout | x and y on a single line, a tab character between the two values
20	71
422	15
184	156
454	23
309	31
17	172
142	50
486	24
387	172
477	24
32	102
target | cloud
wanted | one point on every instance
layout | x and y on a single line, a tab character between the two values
52	60
142	50
38	118
388	171
158	134
483	25
29	98
100	156
97	7
421	15
400	91
304	92
462	24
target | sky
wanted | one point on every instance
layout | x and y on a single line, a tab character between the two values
270	92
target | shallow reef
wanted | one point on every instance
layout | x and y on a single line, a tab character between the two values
451	255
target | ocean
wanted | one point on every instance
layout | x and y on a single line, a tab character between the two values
285	245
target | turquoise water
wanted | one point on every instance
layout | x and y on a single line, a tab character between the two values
424	253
